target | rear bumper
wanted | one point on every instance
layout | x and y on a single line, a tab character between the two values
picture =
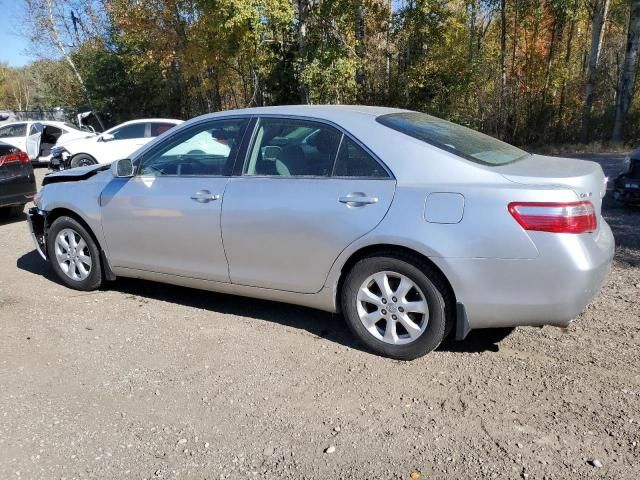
551	289
18	199
36	219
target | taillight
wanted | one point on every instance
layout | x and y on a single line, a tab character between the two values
17	157
571	217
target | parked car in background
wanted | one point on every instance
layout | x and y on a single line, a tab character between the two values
412	226
626	186
116	143
37	138
17	181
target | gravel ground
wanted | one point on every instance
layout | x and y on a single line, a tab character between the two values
146	380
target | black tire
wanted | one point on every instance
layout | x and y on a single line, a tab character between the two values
82	160
12	211
94	279
434	290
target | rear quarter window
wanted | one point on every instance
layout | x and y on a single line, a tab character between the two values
17	130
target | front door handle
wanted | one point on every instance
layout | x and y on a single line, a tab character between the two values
204	196
358	199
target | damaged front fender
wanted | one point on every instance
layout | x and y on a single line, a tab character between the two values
37	220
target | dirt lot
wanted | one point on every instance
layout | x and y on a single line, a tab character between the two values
153	381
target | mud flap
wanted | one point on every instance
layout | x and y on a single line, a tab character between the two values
462	323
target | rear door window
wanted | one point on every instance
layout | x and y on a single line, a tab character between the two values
128	132
293	148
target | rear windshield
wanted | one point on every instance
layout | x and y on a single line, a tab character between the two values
459	140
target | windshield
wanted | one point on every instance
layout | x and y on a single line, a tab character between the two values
459	140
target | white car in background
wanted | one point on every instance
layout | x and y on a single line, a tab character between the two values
114	144
38	137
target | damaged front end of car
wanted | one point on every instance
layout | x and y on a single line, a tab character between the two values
37	220
626	187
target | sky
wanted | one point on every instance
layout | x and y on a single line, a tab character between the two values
12	45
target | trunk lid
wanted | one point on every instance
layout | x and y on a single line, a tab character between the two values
583	177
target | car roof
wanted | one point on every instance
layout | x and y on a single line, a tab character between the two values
145	120
325	112
14	122
54	123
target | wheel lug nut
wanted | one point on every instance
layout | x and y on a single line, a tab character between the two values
384	312
384	301
394	317
400	309
394	299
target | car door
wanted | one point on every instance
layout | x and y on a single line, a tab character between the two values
166	218
296	206
34	138
126	140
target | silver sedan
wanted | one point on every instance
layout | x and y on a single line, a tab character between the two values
415	228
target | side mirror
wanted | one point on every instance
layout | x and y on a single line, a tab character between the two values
106	137
122	168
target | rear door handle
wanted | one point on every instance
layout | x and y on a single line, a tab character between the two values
204	196
358	199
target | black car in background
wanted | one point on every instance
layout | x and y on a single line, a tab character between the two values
626	186
17	180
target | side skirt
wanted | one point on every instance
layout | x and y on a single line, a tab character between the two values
323	300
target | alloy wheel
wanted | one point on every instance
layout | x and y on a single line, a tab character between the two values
73	254
392	308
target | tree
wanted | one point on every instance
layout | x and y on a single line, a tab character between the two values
628	74
600	10
55	24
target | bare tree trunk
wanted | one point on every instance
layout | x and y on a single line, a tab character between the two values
55	36
360	45
557	26
303	12
472	29
567	60
627	76
597	33
503	64
388	51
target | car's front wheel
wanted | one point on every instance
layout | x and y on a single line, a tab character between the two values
74	255
396	305
82	160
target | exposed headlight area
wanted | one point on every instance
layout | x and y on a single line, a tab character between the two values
58	151
37	199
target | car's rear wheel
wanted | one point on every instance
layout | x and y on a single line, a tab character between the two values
82	160
74	255
396	305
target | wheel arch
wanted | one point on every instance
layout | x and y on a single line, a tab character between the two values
386	248
58	212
